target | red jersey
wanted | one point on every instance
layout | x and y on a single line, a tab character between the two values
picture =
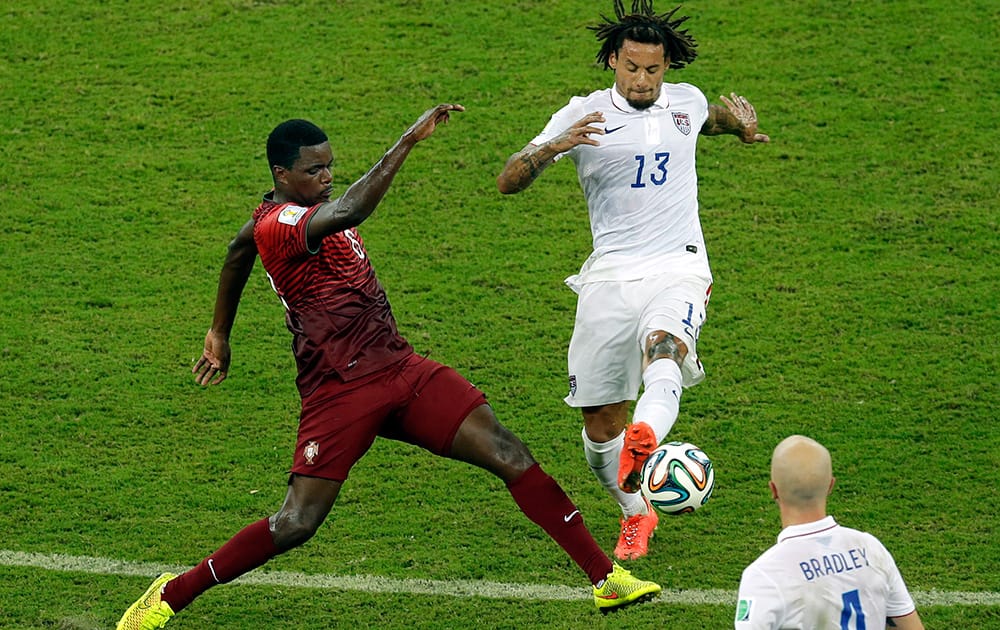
335	307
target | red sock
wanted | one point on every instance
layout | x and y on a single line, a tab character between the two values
247	550
544	502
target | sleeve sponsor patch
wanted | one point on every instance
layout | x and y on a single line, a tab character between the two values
743	610
291	214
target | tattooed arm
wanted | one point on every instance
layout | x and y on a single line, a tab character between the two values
526	165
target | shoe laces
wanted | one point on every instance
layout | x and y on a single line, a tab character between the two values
630	528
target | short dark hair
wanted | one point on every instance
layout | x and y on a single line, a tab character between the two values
287	138
642	25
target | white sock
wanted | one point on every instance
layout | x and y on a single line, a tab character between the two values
661	397
603	459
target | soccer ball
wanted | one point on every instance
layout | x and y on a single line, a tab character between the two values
677	478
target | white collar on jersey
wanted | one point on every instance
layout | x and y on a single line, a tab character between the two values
662	101
807	529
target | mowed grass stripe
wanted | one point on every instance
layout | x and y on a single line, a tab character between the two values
453	588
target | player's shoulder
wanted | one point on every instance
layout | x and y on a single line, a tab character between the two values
849	532
870	540
686	90
274	212
769	555
579	106
266	207
597	98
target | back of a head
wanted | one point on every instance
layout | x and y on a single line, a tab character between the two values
284	142
802	471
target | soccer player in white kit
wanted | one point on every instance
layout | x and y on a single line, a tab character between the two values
820	574
642	293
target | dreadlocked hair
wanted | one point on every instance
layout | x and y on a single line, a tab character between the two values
642	25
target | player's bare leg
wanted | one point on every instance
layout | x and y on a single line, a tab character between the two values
657	408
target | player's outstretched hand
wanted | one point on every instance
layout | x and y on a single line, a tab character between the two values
213	366
747	115
430	119
579	133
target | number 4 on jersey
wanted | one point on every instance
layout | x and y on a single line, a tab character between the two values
852	606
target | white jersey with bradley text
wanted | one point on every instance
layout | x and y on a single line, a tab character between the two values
822	576
640	183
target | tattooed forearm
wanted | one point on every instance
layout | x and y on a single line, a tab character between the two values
532	165
522	169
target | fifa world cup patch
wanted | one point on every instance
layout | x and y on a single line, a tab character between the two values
311	451
743	610
682	121
572	384
291	215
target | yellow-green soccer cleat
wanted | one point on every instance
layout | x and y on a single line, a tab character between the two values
620	589
149	612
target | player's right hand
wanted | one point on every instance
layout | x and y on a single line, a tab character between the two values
579	133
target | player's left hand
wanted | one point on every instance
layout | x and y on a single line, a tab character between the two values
747	116
429	121
213	366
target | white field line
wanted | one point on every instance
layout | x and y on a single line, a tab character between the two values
454	588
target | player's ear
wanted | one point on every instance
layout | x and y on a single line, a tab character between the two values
279	173
774	490
829	490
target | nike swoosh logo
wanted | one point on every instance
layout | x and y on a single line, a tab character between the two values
607	131
570	515
611	596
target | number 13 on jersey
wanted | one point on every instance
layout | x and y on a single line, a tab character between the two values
657	171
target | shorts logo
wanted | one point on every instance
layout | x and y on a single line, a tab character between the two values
291	215
311	451
743	610
683	122
572	384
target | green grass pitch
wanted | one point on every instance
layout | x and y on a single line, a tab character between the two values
856	296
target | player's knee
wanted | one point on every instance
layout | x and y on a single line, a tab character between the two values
511	452
292	528
663	345
504	454
605	422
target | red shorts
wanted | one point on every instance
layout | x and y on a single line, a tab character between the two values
418	401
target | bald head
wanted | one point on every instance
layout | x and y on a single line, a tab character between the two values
802	473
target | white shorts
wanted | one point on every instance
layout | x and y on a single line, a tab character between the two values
612	321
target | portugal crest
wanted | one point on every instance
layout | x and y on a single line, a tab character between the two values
311	451
682	121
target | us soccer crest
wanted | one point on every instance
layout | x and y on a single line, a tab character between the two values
683	122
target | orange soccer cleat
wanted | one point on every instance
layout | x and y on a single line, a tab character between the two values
639	443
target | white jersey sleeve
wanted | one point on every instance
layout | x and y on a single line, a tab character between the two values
898	602
761	605
561	121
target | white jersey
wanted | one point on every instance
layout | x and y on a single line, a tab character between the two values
821	575
640	183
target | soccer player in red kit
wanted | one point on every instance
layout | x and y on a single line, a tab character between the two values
357	377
